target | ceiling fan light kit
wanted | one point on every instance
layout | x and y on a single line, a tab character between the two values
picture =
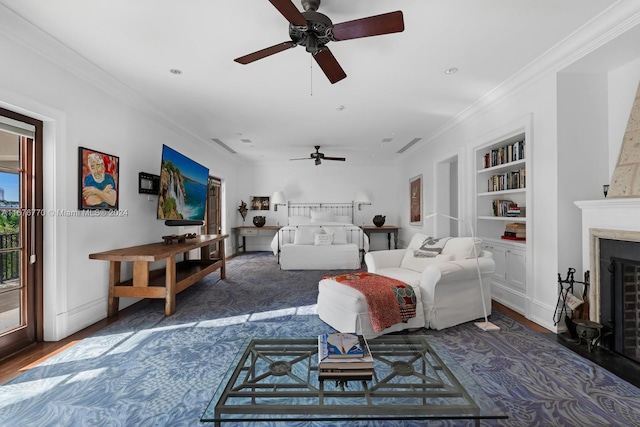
314	31
318	157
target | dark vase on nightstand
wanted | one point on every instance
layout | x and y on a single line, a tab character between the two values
259	221
378	220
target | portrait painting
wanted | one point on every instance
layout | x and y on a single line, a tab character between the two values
98	186
415	200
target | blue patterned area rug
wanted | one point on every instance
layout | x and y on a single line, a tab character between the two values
150	370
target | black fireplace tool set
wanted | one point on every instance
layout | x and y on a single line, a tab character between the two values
576	310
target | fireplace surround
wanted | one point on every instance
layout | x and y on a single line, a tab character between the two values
611	247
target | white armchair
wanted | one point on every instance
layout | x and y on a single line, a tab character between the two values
449	286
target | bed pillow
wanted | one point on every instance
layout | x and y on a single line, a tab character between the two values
322	237
299	220
304	236
321	216
344	219
414	260
339	235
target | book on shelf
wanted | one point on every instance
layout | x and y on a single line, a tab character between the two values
505	154
515	233
516	225
521	239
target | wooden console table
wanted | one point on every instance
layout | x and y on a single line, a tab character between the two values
163	283
249	231
389	229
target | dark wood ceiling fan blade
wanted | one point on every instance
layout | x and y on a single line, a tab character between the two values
329	65
265	52
303	158
341	159
377	25
289	11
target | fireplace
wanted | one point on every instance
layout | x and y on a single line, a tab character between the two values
619	266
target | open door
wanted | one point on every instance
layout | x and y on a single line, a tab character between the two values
213	222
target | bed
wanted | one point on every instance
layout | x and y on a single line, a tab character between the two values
320	236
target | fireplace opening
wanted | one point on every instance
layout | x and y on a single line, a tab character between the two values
620	297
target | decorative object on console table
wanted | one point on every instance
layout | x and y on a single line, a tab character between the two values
415	200
243	210
259	221
98	186
378	220
178	239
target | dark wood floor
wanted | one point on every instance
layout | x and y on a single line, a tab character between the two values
12	366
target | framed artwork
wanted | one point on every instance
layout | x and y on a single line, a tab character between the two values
98	185
260	203
415	200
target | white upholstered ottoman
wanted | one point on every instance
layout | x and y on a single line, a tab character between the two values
345	309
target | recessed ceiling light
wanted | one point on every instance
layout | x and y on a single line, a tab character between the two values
175	71
451	70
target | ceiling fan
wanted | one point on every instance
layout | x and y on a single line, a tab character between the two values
313	30
318	156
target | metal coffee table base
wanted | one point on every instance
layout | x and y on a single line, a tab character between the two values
414	379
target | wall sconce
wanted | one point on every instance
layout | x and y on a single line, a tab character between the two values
361	199
278	199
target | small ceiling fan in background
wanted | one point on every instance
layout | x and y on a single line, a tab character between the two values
313	30
318	156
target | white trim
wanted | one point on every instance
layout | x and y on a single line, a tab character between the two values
54	175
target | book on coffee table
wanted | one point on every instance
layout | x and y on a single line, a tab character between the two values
356	367
342	345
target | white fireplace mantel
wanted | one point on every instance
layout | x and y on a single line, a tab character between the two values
617	219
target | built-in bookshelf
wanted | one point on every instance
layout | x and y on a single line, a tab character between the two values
501	185
501	214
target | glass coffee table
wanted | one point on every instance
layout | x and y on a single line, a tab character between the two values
414	379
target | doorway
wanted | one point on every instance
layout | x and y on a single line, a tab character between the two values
21	213
446	189
213	223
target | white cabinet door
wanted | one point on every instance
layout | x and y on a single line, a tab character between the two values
499	256
516	269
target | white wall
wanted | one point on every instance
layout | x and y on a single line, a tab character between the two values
582	156
108	119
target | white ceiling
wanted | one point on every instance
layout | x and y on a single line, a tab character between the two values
395	89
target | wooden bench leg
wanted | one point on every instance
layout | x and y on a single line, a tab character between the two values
170	284
113	302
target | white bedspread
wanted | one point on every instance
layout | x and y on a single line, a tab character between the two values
345	252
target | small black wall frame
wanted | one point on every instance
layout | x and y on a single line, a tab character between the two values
148	183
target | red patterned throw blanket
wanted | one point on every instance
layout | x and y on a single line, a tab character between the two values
389	301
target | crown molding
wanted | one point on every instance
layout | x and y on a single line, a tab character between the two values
20	30
609	24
